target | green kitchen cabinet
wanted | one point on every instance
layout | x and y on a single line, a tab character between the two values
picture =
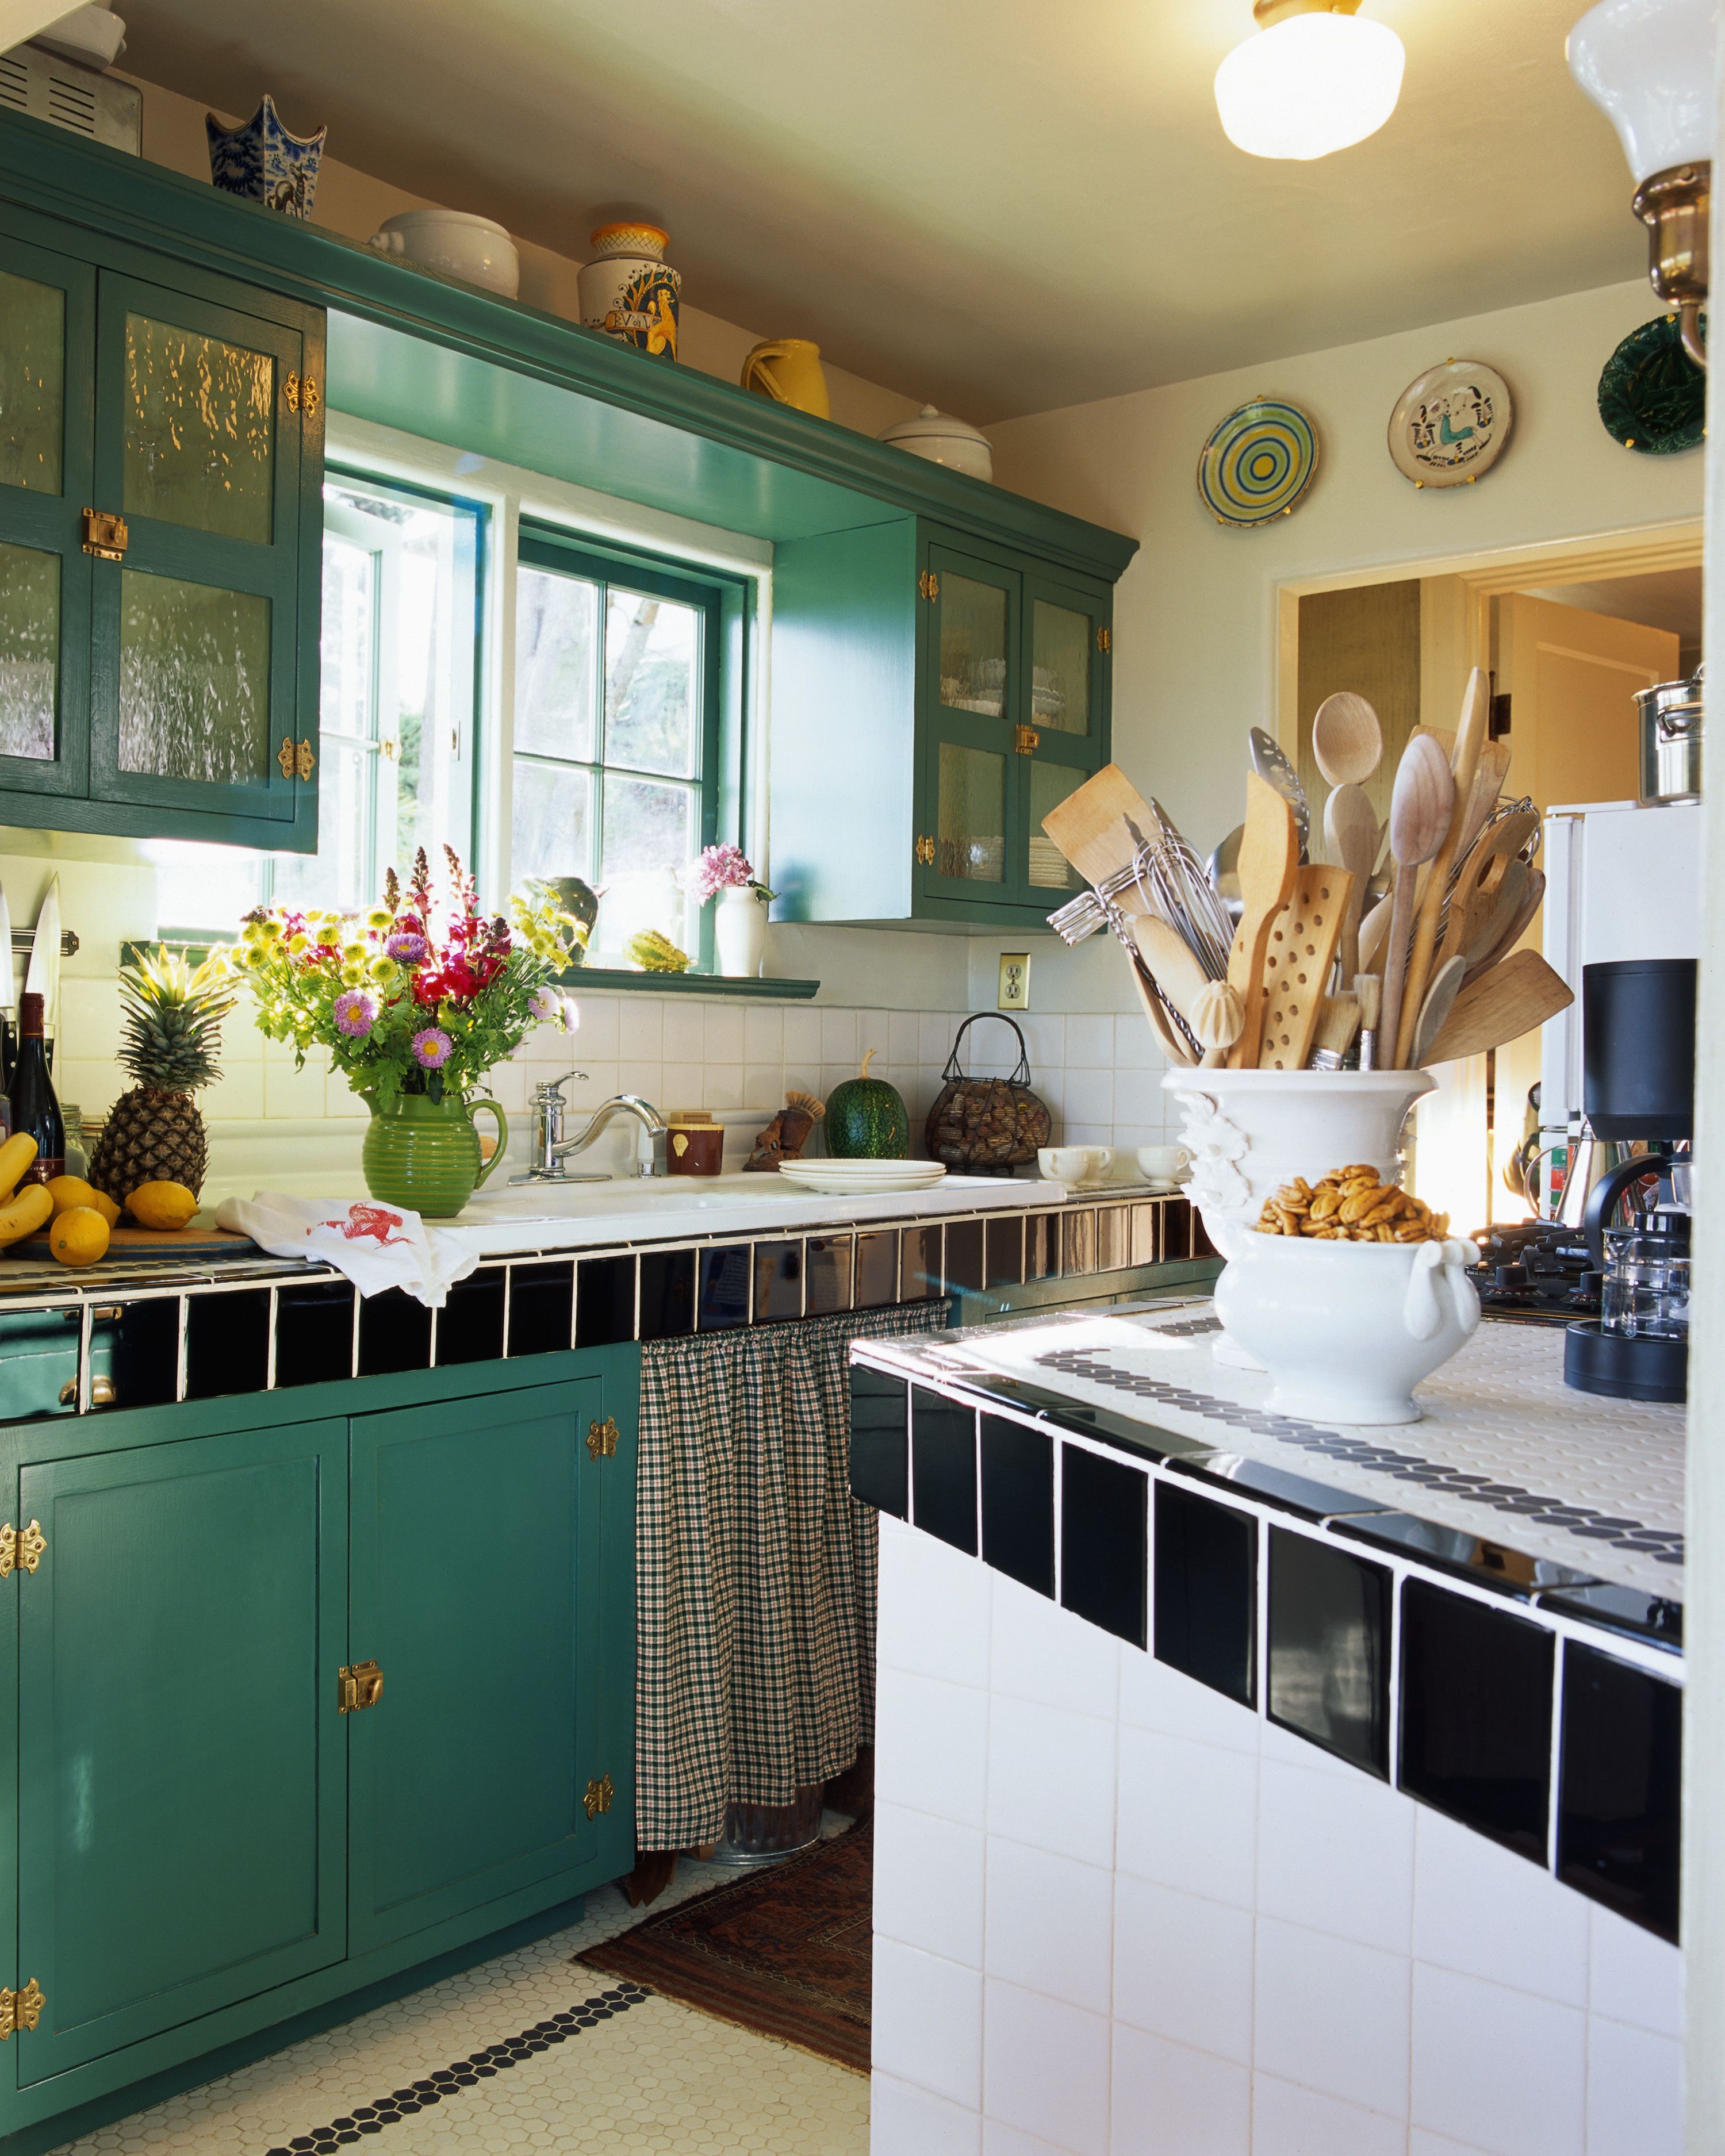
308	1689
160	459
935	696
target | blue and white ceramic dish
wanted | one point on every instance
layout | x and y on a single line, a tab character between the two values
264	162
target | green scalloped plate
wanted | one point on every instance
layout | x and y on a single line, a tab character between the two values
1653	398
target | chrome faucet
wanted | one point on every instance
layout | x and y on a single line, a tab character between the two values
550	1148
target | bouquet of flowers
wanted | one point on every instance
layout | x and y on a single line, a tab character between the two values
422	995
723	868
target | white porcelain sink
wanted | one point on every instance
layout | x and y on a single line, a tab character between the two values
638	1194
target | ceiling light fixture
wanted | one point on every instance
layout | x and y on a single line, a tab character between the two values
1650	67
1317	77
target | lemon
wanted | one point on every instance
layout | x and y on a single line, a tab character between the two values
166	1205
69	1190
79	1235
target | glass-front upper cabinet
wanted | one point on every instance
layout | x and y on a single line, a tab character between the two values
1016	718
159	447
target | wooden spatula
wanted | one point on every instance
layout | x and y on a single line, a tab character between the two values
1488	921
1502	1005
1420	814
1100	827
1177	972
1440	1001
1269	861
1296	965
1531	898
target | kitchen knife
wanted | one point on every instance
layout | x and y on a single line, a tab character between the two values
43	978
9	994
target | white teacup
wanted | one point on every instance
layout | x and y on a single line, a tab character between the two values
1163	1164
1074	1164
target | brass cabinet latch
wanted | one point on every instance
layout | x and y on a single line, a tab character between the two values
1026	739
925	851
598	1798
301	395
1104	639
21	2009
105	537
295	763
358	1687
602	1439
21	1548
929	585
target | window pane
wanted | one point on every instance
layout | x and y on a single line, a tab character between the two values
200	431
652	674
194	680
337	874
552	824
210	887
973	645
33	366
29	650
971	818
348	667
1059	668
556	631
651	834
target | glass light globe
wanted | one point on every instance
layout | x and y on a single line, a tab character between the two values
1648	64
1309	84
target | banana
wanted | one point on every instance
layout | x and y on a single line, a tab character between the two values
21	1215
15	1157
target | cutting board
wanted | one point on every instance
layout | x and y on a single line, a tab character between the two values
128	1245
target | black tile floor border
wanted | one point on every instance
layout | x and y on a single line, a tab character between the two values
465	2073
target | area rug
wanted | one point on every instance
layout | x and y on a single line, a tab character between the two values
785	1951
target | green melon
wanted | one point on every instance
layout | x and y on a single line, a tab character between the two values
866	1119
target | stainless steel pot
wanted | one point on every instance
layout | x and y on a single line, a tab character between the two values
1671	740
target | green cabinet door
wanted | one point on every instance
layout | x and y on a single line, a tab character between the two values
182	1776
196	645
972	695
46	318
475	1584
1065	671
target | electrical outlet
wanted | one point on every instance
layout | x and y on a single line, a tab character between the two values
1014	981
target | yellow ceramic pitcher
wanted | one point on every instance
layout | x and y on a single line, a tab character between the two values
789	370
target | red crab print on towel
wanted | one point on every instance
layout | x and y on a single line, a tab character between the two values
373	1220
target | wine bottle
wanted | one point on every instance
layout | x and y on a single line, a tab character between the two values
34	1108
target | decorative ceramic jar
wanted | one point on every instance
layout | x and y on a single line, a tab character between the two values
740	932
629	290
473	249
789	370
1347	1330
424	1154
944	440
263	162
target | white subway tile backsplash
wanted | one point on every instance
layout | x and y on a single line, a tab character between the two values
1333	2016
929	1883
1635	2092
936	1030
647	1079
1337	1855
725	1034
802	1037
1183	1968
1025	1743
1090	1042
1050	1925
1170	2100
936	1608
723	1088
838	1037
928	2022
1188	1816
291	1093
906	2121
1087	1096
1496	2069
763	1034
640	1030
903	1033
1634	1977
1288	2121
1045	2069
763	1087
1154	1697
684	1027
686	1087
1482	1912
596	1033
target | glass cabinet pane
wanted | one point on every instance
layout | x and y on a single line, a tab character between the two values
194	681
32	368
1059	668
200	431
1049	785
971	820
972	646
29	650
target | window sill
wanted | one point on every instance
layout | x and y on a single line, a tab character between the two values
607	980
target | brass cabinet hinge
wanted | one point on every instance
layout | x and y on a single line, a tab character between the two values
1104	639
1026	739
21	2009
358	1687
929	585
925	851
598	1798
301	395
105	537
295	761
602	1439
21	1548
304	763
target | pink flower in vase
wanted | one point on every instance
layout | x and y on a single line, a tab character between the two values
432	1049
355	1013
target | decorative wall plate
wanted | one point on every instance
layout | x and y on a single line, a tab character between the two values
1450	423
1653	398
1258	463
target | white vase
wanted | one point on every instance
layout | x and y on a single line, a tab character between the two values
740	932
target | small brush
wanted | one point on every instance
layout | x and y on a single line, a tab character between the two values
1337	1022
1368	994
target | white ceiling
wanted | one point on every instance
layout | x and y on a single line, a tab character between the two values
1001	205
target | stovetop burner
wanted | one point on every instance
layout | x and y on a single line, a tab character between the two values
1537	1270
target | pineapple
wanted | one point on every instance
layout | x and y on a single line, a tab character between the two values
154	1132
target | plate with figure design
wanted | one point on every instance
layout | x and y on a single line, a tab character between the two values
1450	423
1258	463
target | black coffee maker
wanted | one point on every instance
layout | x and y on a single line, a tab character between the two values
1638	1083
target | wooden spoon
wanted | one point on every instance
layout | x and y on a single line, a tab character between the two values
1346	741
1439	999
1351	841
1161	1025
1269	861
1506	943
1420	809
1487	925
1470	740
1501	1006
1171	965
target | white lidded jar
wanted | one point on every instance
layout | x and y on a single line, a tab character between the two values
454	243
944	440
629	291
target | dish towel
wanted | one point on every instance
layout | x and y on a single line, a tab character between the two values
376	1246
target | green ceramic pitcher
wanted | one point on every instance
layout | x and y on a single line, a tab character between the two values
424	1154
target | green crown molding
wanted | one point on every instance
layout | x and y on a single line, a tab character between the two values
59	174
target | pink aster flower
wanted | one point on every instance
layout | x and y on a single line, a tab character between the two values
406	949
355	1013
548	1003
433	1048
